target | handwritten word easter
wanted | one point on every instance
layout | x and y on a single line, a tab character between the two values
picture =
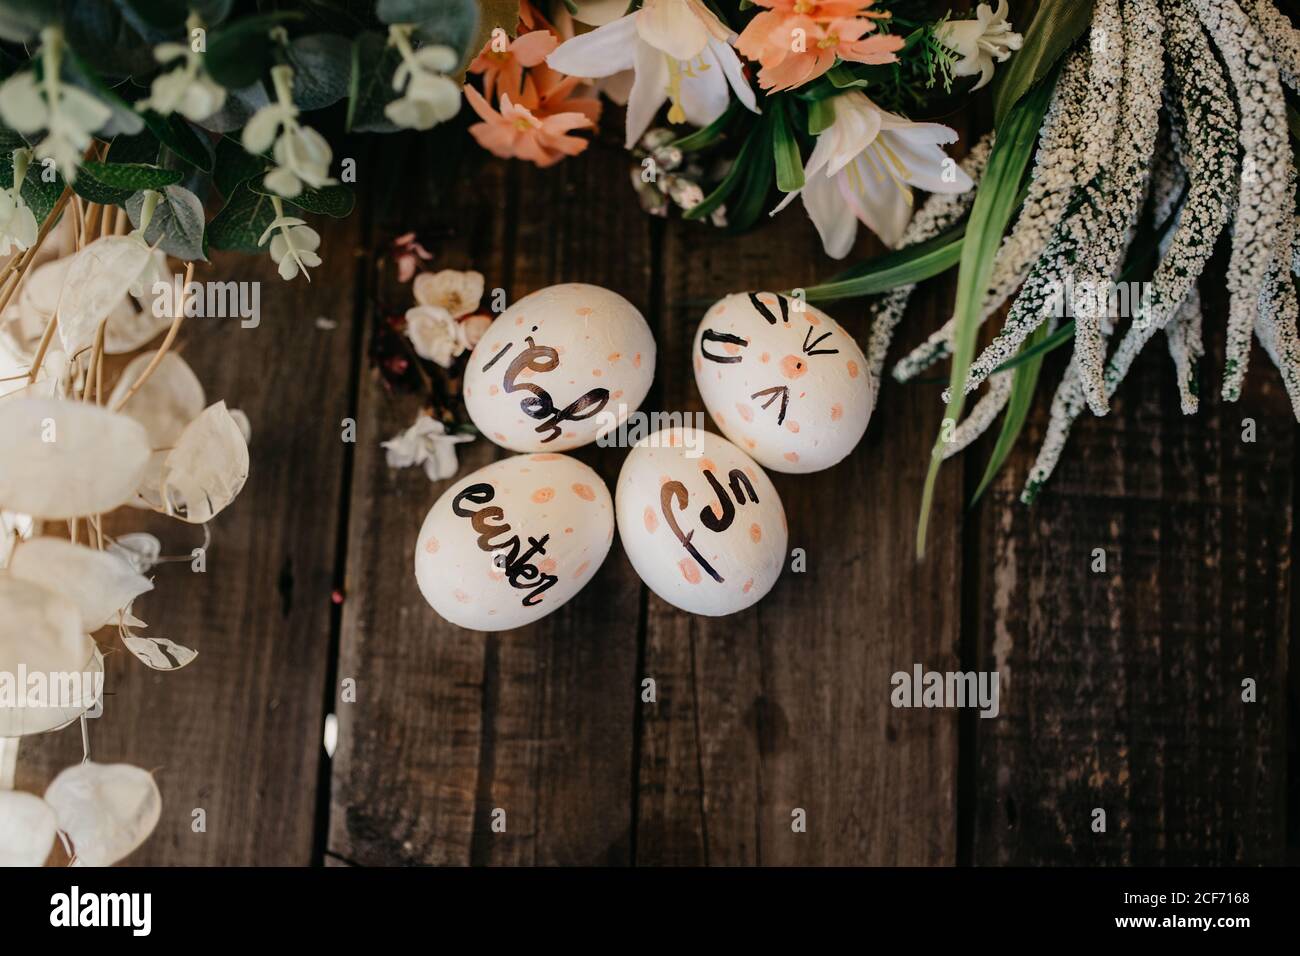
517	564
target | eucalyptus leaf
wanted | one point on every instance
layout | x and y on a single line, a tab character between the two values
108	43
452	23
235	165
131	176
241	53
322	65
177	223
237	110
21	20
335	201
143	147
123	119
39	192
241	222
179	136
370	84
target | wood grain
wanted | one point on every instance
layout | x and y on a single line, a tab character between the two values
1123	688
452	725
238	732
786	706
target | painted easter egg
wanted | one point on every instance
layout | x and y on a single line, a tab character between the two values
512	542
700	521
783	380
558	368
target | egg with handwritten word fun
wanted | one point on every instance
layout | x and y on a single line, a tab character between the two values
558	368
700	521
783	380
511	542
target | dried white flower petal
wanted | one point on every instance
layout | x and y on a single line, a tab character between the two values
66	459
97	283
99	583
27	829
207	468
106	810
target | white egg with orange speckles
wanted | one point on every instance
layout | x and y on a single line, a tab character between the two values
513	541
783	380
701	523
558	368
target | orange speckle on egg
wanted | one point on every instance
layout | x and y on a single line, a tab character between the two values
765	357
636	360
750	443
544	457
492	390
755	533
582	569
584	491
498	436
792	425
753	476
749	585
721	421
690	571
708	465
837	412
461	596
731	348
698	365
745	411
792	366
812	319
651	522
519	321
613	357
617	395
543	495
853	369
568	531
585	310
791	456
547	566
431	546
716	508
597	372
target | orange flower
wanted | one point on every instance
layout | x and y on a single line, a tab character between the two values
546	93
505	69
516	133
794	48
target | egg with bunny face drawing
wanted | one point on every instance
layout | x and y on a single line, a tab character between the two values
783	380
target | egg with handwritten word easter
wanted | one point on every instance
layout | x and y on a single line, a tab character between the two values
700	521
513	541
558	368
783	380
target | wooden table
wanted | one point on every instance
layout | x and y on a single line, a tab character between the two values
1121	690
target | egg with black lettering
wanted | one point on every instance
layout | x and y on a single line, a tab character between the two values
701	522
559	368
511	542
783	380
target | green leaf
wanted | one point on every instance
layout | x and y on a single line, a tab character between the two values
241	221
842	78
708	135
177	223
785	149
751	174
39	194
997	197
906	266
235	165
370	86
821	114
109	44
452	23
335	201
140	148
124	118
131	176
1022	397
20	20
240	53
178	136
322	65
1055	27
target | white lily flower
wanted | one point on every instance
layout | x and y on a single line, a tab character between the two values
980	41
680	52
863	169
18	228
68	115
433	332
302	155
428	444
188	89
429	96
294	245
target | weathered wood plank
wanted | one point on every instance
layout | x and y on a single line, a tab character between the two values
451	725
786	705
1122	689
238	732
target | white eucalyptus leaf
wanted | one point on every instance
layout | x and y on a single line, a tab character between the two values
206	468
157	653
40	634
106	810
170	398
99	583
97	282
66	459
27	829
